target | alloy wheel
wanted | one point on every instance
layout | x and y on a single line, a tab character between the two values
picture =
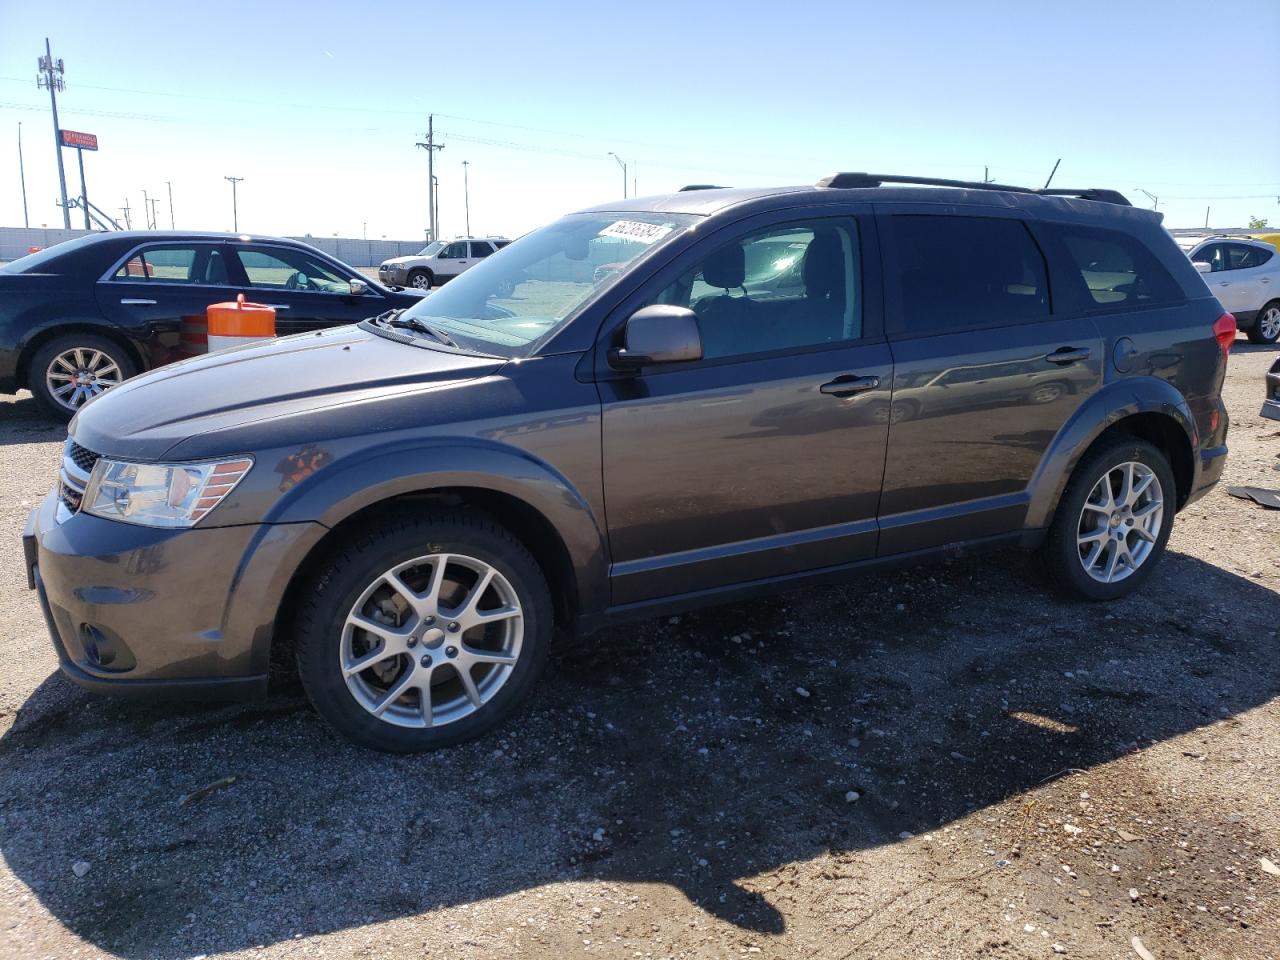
1269	323
76	376
421	282
1120	522
431	640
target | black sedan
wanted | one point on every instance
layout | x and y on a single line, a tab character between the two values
84	315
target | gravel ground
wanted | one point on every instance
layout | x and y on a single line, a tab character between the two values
944	762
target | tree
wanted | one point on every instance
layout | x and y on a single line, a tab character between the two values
1256	224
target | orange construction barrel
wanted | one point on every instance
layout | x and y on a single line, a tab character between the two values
231	324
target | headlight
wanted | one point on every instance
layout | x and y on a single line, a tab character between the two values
160	494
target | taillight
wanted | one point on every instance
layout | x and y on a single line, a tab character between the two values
1224	331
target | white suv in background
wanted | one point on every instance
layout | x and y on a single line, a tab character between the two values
437	262
1244	275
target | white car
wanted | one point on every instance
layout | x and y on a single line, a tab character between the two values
1244	275
437	262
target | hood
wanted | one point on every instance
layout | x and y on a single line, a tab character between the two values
400	261
257	384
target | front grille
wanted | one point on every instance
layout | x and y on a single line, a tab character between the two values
73	477
82	458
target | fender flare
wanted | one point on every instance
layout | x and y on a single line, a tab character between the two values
1110	405
35	335
367	477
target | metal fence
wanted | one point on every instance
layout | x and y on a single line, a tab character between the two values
17	242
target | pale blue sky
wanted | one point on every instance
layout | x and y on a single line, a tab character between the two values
318	104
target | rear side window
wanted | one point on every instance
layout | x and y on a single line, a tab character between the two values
201	264
1116	268
480	249
958	273
1241	256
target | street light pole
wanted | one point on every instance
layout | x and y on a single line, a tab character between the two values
169	184
1155	201
623	164
466	195
235	212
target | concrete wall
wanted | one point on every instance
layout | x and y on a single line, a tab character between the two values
15	242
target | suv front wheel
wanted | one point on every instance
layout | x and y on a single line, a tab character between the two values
421	279
423	632
1112	522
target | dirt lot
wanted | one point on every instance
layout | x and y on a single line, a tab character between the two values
945	762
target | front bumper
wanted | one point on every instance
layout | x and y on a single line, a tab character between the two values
392	276
1271	405
138	610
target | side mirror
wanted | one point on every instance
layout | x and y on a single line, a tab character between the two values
358	288
1203	267
659	334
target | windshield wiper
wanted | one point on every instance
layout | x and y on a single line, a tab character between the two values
394	318
413	323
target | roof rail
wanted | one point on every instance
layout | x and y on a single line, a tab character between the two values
851	180
702	186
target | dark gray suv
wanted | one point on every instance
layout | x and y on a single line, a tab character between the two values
640	407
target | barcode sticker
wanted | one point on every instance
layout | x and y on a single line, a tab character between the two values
635	230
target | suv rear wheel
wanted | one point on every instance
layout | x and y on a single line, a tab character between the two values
420	279
423	632
1112	522
70	370
1266	329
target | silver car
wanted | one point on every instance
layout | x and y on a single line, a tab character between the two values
437	262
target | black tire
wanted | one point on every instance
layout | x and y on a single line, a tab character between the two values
421	279
1255	333
359	562
1060	555
58	346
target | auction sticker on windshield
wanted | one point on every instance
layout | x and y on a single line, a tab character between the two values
636	231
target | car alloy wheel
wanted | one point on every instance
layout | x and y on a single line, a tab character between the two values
1120	522
1269	324
76	376
431	640
420	281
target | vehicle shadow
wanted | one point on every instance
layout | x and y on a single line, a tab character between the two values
699	752
25	421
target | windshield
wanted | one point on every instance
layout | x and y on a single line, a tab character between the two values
530	288
431	249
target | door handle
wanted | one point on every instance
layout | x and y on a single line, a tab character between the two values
1065	355
848	384
1264	279
137	302
1224	283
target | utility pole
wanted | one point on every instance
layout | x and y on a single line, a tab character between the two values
146	211
1206	218
986	174
128	223
466	195
431	147
22	175
155	217
169	184
235	212
51	73
623	164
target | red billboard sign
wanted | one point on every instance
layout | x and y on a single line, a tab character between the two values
83	141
